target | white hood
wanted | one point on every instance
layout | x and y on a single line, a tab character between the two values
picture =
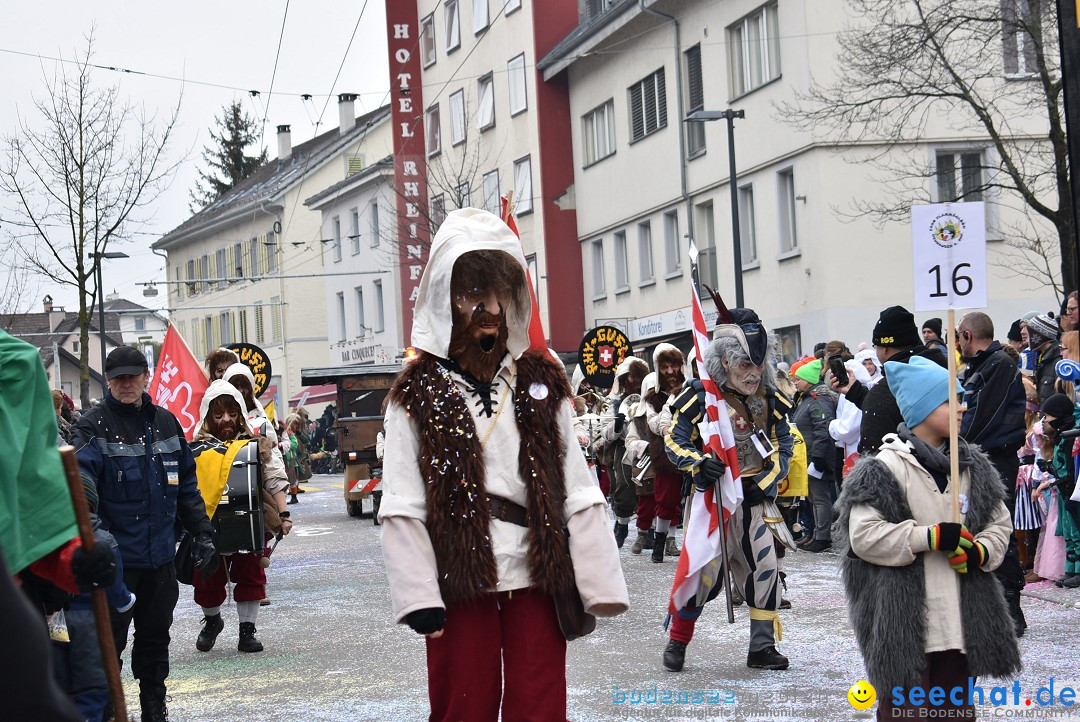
624	367
576	379
870	354
661	348
468	229
649	383
221	387
239	369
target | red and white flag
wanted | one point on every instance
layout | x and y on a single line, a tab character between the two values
537	339
701	544
179	383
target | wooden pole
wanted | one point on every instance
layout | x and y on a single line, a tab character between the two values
954	422
102	620
723	553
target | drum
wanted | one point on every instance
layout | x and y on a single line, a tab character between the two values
239	516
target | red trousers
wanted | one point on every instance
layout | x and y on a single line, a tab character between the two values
604	478
245	573
646	511
511	636
667	487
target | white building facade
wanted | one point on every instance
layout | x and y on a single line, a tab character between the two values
646	182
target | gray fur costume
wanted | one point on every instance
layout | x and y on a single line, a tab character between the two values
886	604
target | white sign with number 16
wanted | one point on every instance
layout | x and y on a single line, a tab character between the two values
949	250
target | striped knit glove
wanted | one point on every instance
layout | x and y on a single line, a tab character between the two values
948	537
975	553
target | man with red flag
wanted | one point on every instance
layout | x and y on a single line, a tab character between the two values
740	372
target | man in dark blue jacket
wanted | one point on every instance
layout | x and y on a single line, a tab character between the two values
139	478
994	419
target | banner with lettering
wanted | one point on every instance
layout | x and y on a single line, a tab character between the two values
600	353
179	382
255	359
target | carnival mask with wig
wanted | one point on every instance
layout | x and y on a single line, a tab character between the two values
744	374
224	418
482	287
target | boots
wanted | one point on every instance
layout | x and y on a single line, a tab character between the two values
658	547
248	641
621	530
639	543
152	704
292	498
1012	598
649	539
767	658
212	627
672	549
675	655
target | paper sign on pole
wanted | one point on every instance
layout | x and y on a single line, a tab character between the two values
949	252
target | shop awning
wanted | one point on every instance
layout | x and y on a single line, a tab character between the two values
321	394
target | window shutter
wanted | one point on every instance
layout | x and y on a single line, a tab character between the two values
648	92
1009	36
693	78
637	115
661	99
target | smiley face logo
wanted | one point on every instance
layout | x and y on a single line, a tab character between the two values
862	695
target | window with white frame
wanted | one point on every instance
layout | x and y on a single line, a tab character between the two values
622	263
457	118
491	192
515	83
254	253
598	131
376	228
225	335
380	315
438	211
648	105
271	252
533	270
238	261
341	315
523	202
433	131
959	175
361	324
354	229
427	40
754	50
598	278
672	255
790	339
645	257
705	236
1018	28
747	226
485	102
785	192
140	323
221	268
464	194
510	6
192	288
204	272
336	228
480	15
452	16
695	100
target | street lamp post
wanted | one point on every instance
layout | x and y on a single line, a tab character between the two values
101	310
700	116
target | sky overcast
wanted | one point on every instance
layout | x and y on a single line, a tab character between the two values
229	44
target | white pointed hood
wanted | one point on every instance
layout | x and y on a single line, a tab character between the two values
221	387
468	229
239	369
868	354
624	367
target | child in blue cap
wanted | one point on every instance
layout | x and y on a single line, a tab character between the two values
926	609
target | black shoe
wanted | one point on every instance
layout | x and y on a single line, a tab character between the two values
152	704
301	490
817	546
767	658
248	641
675	655
621	530
785	603
658	547
1071	581
212	627
650	539
293	500
1012	599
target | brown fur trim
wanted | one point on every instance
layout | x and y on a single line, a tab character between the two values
661	464
540	464
451	464
672	357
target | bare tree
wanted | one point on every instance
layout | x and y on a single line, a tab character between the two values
17	287
987	69
78	182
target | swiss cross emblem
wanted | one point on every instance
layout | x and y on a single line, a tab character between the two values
606	354
740	423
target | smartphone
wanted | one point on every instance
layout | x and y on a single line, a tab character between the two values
838	369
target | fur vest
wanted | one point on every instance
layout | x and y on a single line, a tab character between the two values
452	465
661	464
886	604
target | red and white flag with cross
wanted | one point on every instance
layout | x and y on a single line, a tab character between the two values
179	383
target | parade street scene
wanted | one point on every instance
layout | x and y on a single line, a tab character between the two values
540	360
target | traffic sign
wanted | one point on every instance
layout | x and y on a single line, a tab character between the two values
949	253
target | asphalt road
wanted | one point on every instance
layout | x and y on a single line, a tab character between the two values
334	653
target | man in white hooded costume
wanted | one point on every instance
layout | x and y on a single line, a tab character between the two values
483	480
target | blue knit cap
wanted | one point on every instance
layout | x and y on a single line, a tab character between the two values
920	386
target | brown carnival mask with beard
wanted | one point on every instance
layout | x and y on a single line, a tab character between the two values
224	418
669	371
482	288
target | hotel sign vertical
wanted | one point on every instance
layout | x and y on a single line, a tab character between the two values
410	167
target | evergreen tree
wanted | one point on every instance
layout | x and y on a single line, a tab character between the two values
228	165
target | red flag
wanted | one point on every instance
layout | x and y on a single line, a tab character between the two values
179	383
537	338
701	542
